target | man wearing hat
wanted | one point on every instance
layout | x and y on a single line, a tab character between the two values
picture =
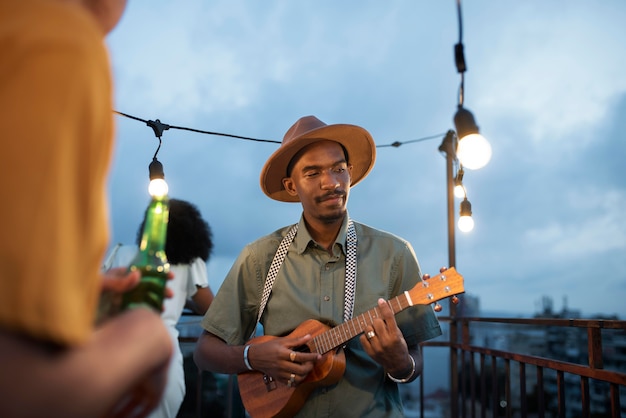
327	268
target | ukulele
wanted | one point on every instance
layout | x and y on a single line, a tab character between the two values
263	396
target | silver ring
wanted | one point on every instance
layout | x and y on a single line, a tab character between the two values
370	335
292	380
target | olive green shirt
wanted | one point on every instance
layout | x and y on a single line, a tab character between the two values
310	285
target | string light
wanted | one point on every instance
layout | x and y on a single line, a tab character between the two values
473	150
158	186
466	223
459	188
465	148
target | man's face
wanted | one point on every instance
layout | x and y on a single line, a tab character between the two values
321	179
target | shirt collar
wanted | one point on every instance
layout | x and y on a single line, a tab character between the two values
303	237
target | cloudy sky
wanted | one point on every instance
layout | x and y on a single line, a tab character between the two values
545	81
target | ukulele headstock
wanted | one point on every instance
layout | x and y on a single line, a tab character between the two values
448	283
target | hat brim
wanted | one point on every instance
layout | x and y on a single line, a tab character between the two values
357	141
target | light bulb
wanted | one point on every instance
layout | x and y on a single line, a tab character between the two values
158	188
473	151
459	191
466	223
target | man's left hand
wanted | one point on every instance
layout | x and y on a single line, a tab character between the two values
383	341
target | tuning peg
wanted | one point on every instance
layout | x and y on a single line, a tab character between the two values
425	276
442	269
455	299
437	307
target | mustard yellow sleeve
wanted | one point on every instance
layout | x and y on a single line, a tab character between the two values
56	114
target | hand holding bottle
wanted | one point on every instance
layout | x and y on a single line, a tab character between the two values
115	282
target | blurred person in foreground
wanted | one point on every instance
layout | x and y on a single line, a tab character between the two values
56	113
315	278
188	247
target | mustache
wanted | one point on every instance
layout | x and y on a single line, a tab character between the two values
332	195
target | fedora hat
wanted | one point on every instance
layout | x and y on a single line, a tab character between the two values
307	130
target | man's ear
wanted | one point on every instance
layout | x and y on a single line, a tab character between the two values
289	186
350	172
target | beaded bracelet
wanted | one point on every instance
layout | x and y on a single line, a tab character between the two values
245	357
406	379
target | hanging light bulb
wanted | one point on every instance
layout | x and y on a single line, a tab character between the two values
466	223
158	186
473	150
459	188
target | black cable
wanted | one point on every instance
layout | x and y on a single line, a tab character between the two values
396	144
157	150
221	134
458	8
131	117
459	56
159	127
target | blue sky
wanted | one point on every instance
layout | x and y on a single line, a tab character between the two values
545	82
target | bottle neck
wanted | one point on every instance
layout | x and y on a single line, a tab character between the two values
155	227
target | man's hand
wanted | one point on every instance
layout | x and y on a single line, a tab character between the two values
278	359
114	283
118	280
383	341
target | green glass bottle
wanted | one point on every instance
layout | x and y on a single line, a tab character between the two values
151	260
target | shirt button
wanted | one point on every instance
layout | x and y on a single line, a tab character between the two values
326	298
327	267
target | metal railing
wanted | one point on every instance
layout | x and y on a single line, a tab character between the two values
579	368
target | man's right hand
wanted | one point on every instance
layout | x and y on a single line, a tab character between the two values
278	359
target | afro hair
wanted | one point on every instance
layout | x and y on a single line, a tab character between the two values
189	236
